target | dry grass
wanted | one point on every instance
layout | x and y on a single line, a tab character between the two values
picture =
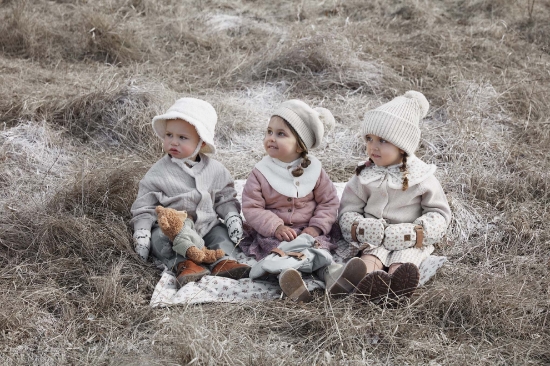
80	82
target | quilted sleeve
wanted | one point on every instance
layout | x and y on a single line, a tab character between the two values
256	215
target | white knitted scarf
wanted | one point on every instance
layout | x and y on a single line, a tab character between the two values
280	178
418	172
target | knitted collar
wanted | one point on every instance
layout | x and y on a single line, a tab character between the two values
418	172
280	178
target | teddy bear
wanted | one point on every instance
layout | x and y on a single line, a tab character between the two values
180	229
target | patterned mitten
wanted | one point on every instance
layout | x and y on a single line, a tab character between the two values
434	227
399	236
370	231
142	243
234	225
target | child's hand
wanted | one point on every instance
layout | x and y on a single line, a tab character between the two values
234	225
285	233
312	230
142	243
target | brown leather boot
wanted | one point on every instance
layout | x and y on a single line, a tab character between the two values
404	281
232	269
188	271
374	287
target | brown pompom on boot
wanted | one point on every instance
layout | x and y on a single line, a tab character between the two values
188	271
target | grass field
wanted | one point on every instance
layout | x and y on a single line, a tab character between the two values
81	80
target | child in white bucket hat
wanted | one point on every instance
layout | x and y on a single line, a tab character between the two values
188	179
394	209
290	204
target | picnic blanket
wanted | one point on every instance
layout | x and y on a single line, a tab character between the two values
221	289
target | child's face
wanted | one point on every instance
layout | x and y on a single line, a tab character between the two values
382	152
279	142
180	139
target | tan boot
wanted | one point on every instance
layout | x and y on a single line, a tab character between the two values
293	285
188	271
343	279
232	269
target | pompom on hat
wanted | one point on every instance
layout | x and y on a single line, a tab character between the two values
197	112
397	121
309	123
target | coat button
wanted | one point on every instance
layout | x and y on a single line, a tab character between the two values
289	199
289	210
297	183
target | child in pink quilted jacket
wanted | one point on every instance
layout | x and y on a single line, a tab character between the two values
394	209
288	194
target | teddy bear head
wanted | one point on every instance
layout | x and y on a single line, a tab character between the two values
170	221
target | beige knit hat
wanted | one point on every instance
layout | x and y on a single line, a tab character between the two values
309	123
197	112
397	121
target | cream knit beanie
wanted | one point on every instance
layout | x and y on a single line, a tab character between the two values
197	112
309	123
397	121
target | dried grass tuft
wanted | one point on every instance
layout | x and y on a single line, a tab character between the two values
100	192
318	61
109	42
112	116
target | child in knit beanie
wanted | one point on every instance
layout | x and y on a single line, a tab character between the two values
188	179
288	197
394	209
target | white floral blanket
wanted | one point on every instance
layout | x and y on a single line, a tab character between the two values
220	289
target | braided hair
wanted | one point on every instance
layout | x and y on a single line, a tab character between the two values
404	169
359	168
299	170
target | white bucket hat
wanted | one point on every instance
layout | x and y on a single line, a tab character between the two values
197	112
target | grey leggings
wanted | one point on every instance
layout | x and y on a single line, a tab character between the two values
217	238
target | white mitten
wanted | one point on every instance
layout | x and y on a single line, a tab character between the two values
234	225
142	243
370	231
399	236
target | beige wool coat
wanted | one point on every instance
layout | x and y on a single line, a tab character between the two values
376	199
206	191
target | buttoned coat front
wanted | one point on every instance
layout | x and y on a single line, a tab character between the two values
265	209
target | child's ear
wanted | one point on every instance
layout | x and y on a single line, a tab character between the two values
299	150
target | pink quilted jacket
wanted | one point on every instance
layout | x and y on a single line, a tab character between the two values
265	209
